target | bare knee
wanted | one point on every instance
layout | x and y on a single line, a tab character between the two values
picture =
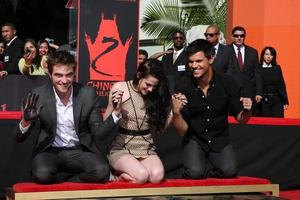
141	176
157	175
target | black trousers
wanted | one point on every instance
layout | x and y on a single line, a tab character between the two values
272	106
198	163
75	165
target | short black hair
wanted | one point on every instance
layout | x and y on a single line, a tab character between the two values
143	52
178	31
200	45
11	25
238	28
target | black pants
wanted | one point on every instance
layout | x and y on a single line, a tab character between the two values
53	166
199	164
272	106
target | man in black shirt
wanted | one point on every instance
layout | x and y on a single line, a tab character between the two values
200	113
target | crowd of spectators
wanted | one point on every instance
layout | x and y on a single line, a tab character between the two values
26	57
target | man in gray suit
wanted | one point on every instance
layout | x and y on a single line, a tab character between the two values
65	117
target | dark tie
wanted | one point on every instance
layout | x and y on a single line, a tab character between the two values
240	59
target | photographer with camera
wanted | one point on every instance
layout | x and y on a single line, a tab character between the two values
32	63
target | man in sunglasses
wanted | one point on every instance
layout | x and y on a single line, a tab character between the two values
174	64
243	66
222	54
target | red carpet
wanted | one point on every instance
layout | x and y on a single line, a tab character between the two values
291	195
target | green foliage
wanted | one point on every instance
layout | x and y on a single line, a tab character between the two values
162	17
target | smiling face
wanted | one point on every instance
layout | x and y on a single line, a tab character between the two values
62	78
199	64
44	49
147	85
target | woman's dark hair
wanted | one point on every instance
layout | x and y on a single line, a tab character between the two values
273	53
37	60
157	102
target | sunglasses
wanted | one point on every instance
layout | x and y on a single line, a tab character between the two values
237	35
210	34
177	38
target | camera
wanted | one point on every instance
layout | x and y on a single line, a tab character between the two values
27	51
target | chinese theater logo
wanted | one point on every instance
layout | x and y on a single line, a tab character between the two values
107	53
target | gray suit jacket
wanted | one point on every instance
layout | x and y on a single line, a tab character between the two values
89	126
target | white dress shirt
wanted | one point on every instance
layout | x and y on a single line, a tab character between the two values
216	47
176	54
65	128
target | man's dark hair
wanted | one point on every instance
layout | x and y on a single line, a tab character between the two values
238	28
180	32
60	57
143	52
200	45
11	25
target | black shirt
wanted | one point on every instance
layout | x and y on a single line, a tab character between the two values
207	117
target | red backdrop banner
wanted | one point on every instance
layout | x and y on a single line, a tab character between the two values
108	43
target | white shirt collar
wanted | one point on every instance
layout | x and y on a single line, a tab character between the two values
265	65
217	46
58	99
236	48
11	41
179	51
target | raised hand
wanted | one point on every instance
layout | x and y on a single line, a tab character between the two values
117	100
30	111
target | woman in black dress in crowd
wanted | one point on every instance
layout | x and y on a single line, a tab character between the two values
275	99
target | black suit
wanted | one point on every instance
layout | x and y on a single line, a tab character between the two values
12	55
175	71
248	79
88	158
222	58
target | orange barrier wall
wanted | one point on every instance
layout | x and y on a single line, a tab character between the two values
273	23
